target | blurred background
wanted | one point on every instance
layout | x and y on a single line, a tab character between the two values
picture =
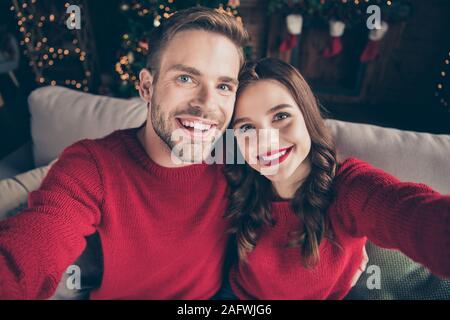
394	76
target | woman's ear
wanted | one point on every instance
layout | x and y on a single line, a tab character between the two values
146	85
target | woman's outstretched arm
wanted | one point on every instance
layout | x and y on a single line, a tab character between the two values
410	217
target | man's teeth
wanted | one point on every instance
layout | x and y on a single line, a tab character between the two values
274	156
196	125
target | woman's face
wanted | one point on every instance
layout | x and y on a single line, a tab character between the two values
270	130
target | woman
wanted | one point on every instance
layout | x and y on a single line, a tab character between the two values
299	218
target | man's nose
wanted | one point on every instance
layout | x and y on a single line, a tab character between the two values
206	97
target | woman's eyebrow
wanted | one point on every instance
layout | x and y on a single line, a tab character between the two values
271	110
279	107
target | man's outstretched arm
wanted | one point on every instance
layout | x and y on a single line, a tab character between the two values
37	245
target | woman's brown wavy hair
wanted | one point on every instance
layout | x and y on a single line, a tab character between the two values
250	193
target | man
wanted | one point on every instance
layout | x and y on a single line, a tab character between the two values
158	217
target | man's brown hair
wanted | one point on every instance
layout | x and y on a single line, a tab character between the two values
195	18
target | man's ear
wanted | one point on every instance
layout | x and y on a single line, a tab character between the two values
146	85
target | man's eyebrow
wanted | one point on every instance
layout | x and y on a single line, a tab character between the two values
229	80
184	68
272	110
196	72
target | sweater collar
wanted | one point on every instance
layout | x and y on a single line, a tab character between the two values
139	154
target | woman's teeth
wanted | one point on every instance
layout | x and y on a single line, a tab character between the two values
196	125
274	156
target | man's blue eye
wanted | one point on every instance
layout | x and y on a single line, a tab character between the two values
184	78
225	87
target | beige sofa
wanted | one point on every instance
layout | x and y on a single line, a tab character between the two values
60	117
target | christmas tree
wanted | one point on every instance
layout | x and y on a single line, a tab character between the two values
142	17
56	54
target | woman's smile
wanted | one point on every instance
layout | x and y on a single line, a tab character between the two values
274	157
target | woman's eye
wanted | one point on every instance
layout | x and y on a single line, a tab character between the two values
185	79
281	116
244	128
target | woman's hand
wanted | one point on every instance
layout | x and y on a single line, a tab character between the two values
361	268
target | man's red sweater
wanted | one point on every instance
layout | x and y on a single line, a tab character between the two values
161	229
369	204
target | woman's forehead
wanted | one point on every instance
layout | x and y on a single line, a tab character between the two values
262	94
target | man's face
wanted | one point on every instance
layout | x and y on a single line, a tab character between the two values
193	97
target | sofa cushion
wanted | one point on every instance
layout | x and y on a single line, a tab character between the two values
410	156
14	191
400	279
61	116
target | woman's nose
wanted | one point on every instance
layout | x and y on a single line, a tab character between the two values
268	140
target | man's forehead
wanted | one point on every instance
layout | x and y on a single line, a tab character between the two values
209	53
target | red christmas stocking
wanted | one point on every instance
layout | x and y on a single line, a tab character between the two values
290	41
334	48
371	51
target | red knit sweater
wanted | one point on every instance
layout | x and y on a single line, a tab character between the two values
369	203
161	230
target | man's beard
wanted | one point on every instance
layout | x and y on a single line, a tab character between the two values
163	128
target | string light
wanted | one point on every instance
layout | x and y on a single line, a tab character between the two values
136	49
32	24
442	94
